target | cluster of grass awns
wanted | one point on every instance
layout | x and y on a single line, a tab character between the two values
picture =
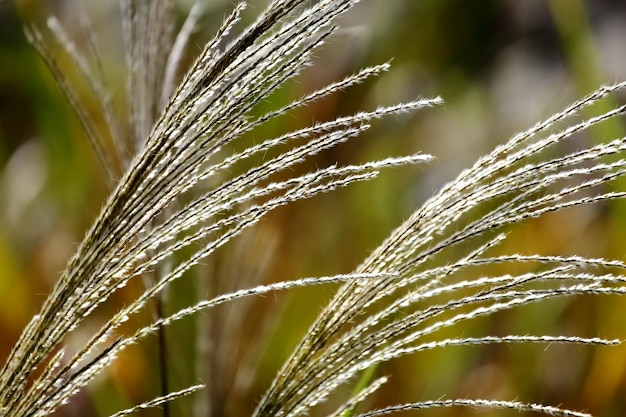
206	152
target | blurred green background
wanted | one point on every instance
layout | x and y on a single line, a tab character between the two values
500	66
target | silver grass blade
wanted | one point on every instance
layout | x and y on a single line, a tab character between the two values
201	214
191	80
96	82
304	383
329	382
175	57
88	280
115	123
574	260
349	81
212	228
511	339
159	401
196	216
57	389
357	399
149	27
394	349
93	136
489	404
97	297
41	384
179	145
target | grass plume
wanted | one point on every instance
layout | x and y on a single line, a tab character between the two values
179	193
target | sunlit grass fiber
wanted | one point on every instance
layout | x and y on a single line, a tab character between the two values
179	193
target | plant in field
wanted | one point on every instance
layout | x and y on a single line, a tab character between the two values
179	192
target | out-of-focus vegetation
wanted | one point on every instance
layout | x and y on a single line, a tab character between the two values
500	66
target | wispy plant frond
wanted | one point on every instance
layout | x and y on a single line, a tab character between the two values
139	228
182	190
158	401
371	322
503	405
